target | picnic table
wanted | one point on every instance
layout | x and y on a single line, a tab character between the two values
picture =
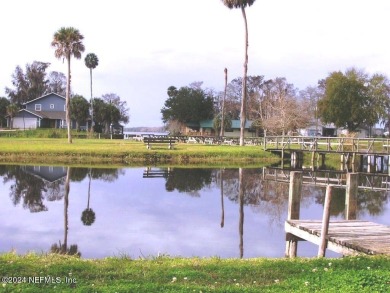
149	141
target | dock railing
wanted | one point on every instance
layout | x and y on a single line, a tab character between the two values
328	144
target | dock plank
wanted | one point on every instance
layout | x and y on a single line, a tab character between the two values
346	237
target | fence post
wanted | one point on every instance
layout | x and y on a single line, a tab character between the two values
351	196
325	221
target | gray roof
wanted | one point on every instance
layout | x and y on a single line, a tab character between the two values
28	102
47	114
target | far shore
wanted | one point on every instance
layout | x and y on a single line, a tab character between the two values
127	152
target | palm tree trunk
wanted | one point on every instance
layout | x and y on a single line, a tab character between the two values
241	204
244	90
89	187
223	106
66	206
91	102
222	204
68	121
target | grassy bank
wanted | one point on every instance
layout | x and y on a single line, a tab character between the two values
58	150
58	273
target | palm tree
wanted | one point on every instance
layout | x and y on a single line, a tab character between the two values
67	42
91	61
242	4
223	105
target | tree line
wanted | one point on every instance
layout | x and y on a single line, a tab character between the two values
34	82
351	100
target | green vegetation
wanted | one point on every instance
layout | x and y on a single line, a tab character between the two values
125	152
61	273
354	99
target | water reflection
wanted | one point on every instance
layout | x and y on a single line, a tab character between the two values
63	248
138	211
88	216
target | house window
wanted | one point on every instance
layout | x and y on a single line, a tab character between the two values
51	106
38	107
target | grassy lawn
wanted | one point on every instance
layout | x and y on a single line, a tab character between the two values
58	150
59	273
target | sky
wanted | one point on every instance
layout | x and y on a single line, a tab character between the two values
146	46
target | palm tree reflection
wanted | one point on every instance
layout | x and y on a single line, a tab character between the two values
88	216
222	203
241	209
63	248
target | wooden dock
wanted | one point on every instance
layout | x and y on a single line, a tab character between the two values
345	237
336	145
348	237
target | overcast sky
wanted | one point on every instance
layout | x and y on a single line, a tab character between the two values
146	46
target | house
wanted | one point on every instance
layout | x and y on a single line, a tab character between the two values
49	174
319	129
47	111
206	128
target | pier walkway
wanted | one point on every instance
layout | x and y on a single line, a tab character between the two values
345	237
341	145
348	237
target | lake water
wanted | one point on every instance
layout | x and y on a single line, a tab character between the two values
146	212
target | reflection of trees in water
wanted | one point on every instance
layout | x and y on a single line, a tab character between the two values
266	197
88	215
104	174
26	189
63	248
188	180
54	190
31	190
368	201
271	197
372	202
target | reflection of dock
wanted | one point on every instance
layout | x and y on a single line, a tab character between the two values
156	173
371	181
345	237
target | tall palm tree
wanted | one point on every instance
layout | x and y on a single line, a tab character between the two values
242	4
91	61
223	106
67	42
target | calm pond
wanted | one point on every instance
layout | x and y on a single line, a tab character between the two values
146	212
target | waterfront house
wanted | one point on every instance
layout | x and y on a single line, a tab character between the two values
47	111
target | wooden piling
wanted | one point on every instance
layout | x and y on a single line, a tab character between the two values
351	196
325	222
294	201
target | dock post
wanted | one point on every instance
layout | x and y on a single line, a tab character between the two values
312	158
325	222
294	202
351	196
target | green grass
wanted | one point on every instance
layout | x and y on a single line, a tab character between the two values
58	150
49	273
